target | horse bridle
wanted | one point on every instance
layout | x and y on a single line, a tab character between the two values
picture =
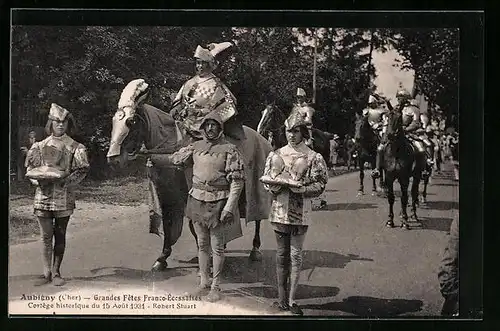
131	122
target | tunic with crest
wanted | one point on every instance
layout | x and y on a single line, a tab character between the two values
59	196
215	165
200	96
291	211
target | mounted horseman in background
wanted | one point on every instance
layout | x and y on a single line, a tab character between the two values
307	112
412	126
376	116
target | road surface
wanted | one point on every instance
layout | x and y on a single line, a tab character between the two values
353	264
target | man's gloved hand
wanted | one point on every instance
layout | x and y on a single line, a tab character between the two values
226	216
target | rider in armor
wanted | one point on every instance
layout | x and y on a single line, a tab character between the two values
411	125
205	93
426	135
378	121
375	114
307	111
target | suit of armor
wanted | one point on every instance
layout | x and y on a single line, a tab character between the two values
198	97
307	112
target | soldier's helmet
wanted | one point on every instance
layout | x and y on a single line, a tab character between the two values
403	93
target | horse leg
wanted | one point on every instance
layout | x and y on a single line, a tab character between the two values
424	190
193	232
404	183
382	181
361	176
414	195
374	180
161	262
255	254
389	182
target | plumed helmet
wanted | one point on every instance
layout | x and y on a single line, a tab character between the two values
301	92
404	93
295	119
209	54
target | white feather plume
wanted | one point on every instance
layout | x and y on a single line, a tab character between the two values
131	91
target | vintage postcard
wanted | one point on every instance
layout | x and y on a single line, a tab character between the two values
234	170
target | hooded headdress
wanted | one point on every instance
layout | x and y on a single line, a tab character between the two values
215	117
301	92
372	99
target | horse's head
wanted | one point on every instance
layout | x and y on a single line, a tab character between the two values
363	132
125	133
265	119
394	125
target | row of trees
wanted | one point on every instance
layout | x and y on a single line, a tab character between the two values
86	68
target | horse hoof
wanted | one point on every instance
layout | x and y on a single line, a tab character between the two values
360	193
405	226
389	224
255	255
159	266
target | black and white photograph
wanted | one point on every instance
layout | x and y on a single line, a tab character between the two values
234	170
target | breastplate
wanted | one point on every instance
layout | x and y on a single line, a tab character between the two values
374	115
407	115
209	167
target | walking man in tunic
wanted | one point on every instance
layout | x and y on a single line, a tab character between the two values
218	179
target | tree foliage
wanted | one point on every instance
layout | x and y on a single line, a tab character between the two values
433	55
84	68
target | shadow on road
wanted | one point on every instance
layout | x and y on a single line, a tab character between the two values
119	273
445	184
435	223
239	269
442	205
331	190
271	292
348	206
370	307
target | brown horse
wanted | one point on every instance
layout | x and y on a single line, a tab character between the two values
402	163
366	148
140	124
